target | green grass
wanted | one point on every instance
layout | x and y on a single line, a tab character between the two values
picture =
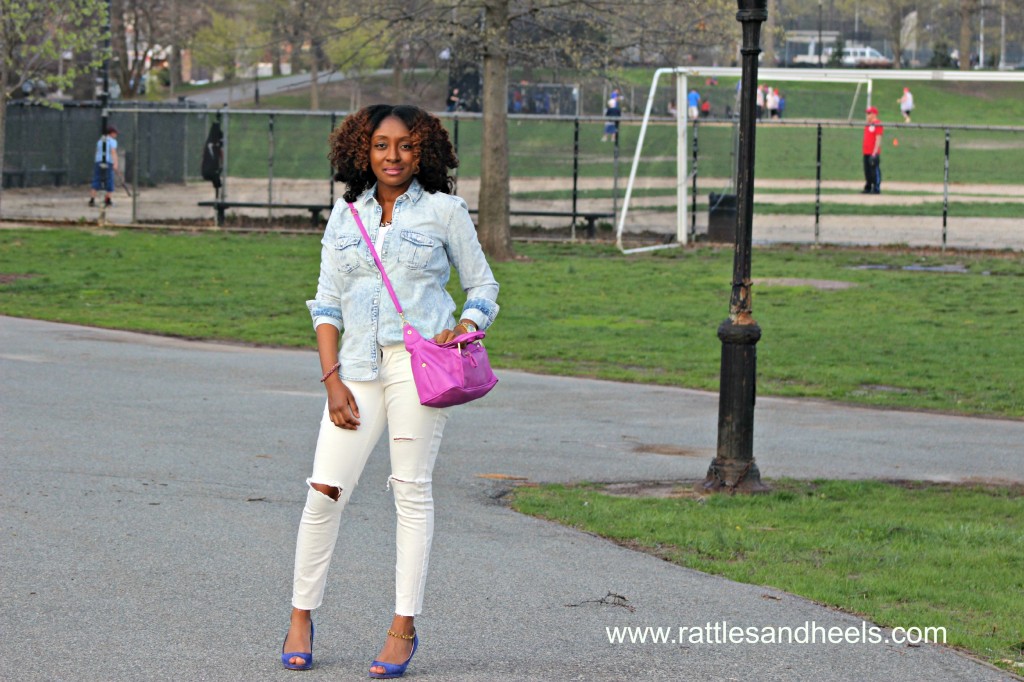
959	206
545	148
917	340
900	555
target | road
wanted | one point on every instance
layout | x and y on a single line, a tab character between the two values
150	490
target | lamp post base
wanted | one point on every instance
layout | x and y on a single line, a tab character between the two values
733	468
733	476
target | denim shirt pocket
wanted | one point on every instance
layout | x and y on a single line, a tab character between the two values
346	250
415	249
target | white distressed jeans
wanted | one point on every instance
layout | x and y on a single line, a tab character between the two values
415	437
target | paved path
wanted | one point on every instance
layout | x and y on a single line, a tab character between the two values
150	490
245	90
169	204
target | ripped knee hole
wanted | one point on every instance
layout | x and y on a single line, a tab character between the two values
330	491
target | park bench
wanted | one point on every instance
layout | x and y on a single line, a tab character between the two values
315	210
221	207
22	177
591	217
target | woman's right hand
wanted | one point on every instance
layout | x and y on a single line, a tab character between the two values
341	405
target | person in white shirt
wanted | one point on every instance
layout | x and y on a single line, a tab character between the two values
772	102
104	166
906	103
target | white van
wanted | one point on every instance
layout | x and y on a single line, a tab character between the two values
862	57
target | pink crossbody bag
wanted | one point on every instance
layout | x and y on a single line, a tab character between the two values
445	374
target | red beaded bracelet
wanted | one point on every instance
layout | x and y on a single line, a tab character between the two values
329	372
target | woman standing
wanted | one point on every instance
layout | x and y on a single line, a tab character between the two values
395	162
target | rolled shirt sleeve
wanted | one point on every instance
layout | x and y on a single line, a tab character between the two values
326	307
475	274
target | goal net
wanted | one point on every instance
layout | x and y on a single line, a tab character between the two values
705	149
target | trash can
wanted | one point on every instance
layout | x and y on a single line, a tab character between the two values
722	217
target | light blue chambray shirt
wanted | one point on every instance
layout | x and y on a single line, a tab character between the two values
429	234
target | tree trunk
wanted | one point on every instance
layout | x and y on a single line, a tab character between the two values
175	69
314	89
966	15
396	76
895	16
3	120
768	35
493	230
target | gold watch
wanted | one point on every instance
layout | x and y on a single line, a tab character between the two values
470	327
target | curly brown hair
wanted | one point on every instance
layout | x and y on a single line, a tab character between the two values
350	148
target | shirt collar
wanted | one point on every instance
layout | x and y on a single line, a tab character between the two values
414	193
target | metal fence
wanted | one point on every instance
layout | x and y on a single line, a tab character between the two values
931	175
48	147
559	164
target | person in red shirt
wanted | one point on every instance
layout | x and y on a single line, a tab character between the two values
871	147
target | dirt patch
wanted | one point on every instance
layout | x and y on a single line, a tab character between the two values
8	277
660	489
503	477
822	284
690	489
987	145
663	449
881	388
993	486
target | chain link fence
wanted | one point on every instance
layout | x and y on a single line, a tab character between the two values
559	164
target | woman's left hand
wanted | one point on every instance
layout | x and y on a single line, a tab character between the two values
445	336
449	334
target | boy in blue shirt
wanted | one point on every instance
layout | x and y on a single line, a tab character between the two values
104	166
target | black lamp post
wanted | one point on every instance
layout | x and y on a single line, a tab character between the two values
733	468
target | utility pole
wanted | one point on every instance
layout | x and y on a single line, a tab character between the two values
733	469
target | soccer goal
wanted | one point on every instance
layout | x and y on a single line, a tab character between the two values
843	103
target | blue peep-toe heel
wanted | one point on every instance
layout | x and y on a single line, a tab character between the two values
393	670
307	659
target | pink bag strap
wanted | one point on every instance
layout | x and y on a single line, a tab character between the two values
376	259
458	340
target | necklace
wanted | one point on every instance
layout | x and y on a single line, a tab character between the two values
387	224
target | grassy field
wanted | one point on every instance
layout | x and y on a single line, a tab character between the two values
903	338
900	555
545	148
901	335
959	205
936	102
